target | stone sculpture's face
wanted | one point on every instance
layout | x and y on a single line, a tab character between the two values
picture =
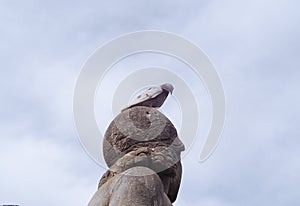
168	87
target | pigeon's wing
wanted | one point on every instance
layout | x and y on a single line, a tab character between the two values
148	94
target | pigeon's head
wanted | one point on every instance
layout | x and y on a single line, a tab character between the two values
168	87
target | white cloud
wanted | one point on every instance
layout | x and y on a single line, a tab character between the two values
37	170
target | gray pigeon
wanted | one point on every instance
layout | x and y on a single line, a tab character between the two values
153	97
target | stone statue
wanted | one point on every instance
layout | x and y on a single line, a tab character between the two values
142	150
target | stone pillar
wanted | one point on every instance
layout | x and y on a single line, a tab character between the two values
142	150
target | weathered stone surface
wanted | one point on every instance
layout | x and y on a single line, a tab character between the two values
170	177
138	127
137	186
142	150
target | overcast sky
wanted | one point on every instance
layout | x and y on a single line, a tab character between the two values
254	46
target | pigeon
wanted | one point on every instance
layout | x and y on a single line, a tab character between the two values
153	97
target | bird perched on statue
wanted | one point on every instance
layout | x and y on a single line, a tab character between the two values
153	97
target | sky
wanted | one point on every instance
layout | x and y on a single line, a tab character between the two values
253	45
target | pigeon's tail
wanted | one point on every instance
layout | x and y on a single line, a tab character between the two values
122	110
